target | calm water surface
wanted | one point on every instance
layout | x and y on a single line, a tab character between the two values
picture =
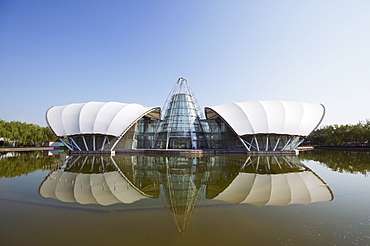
316	198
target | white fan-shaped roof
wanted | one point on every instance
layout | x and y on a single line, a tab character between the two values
276	189
101	188
110	118
269	117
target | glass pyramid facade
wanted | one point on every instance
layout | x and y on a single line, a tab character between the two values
181	124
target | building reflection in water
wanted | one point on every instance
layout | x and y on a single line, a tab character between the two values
272	180
181	182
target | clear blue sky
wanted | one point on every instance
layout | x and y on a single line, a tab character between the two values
61	52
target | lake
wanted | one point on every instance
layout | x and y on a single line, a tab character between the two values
316	198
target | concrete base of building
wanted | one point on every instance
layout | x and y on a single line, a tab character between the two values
112	153
16	149
186	152
305	148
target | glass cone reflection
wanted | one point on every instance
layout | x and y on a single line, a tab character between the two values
182	188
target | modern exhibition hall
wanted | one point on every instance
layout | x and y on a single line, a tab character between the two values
249	126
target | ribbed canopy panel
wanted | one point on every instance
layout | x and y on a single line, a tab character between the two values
276	189
269	117
101	188
109	118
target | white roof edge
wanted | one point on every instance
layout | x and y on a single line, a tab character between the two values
214	111
47	120
134	122
54	125
252	113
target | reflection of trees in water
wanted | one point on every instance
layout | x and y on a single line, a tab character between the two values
12	165
340	161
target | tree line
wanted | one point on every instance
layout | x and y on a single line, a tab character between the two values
17	134
341	135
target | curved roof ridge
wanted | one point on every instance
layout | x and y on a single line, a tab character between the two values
102	122
52	124
265	113
267	118
115	116
301	118
281	104
321	118
69	109
270	116
93	117
250	122
147	111
101	104
127	107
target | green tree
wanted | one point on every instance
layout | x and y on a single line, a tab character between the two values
24	134
343	135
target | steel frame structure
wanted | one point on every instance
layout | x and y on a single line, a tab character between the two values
174	114
71	142
291	143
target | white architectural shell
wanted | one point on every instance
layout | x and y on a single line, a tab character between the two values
101	188
108	118
269	117
276	189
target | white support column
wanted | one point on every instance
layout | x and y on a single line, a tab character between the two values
297	144
103	145
86	147
94	142
75	144
245	145
70	147
256	141
277	143
286	144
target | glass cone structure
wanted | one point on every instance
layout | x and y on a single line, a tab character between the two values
181	126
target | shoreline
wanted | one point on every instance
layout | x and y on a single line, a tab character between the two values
184	152
349	148
17	149
198	152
